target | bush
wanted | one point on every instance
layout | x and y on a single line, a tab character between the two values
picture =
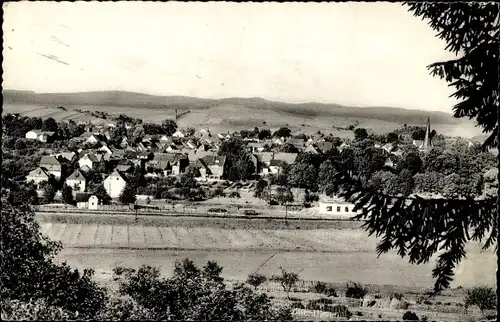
339	310
482	296
217	210
403	305
319	287
410	316
356	291
256	280
298	305
398	296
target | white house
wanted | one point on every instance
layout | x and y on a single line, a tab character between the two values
86	201
77	181
178	134
38	176
90	159
41	136
52	165
336	208
114	184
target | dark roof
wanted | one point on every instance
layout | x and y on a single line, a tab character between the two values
171	157
76	175
324	146
82	197
49	160
210	160
277	163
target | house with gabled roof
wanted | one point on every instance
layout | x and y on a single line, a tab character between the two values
288	158
324	146
86	201
311	148
42	136
77	180
276	166
52	165
211	167
91	160
171	164
179	134
38	176
115	183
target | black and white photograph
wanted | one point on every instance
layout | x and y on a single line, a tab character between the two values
250	161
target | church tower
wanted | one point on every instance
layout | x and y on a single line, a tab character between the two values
427	144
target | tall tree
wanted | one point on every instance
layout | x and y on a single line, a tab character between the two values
67	194
419	227
169	127
49	124
127	196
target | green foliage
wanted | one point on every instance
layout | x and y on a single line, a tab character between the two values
49	192
38	310
410	316
264	134
256	280
67	194
20	144
169	127
49	124
355	291
360	134
282	132
303	175
127	196
392	137
260	187
284	195
471	30
287	280
196	294
100	192
417	228
28	272
288	148
124	308
482	296
323	288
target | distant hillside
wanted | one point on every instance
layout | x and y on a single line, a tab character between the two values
258	105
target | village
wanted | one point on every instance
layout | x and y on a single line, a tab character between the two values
156	157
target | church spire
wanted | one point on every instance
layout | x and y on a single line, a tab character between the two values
427	144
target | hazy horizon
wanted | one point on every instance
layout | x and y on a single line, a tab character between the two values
349	54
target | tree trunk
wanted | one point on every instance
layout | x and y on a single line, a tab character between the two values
497	219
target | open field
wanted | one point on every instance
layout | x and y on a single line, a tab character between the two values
192	221
230	117
316	248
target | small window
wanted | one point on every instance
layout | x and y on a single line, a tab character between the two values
329	208
346	209
117	179
338	208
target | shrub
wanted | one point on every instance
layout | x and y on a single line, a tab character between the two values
298	305
217	210
287	280
356	291
410	316
482	296
398	296
403	305
339	310
319	287
256	280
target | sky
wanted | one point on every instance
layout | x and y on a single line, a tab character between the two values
355	54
